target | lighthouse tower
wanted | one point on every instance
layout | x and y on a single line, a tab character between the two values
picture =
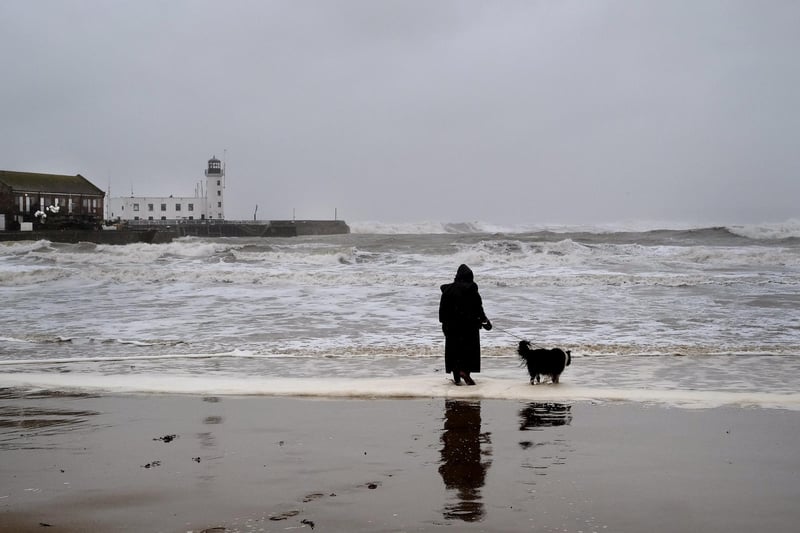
215	187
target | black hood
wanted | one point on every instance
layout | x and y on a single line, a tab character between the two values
464	274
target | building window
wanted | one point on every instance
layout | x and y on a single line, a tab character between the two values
191	218
163	218
191	207
163	207
177	207
135	218
218	183
149	218
136	208
150	207
219	204
219	193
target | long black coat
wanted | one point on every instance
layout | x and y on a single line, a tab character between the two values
461	314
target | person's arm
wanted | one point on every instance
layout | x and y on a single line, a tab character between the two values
485	323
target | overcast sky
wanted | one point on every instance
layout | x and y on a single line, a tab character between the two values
510	112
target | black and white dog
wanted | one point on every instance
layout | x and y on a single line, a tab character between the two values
542	362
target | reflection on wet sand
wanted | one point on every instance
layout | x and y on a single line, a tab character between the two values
461	467
208	441
21	418
537	416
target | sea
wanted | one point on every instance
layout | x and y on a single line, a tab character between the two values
685	316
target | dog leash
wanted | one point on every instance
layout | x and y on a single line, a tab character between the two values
508	333
516	337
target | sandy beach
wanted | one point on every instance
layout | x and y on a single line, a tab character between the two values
175	463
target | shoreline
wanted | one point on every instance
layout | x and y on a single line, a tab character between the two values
178	463
406	387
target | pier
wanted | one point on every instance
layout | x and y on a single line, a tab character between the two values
239	228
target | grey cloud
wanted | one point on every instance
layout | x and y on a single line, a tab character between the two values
508	112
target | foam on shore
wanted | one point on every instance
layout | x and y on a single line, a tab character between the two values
393	388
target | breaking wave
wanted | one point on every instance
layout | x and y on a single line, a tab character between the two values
789	229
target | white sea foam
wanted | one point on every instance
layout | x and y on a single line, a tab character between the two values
105	359
20	247
436	227
392	388
766	230
777	230
477	227
510	260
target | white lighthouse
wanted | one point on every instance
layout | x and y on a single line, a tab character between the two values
215	187
208	203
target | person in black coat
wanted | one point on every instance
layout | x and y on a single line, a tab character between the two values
462	317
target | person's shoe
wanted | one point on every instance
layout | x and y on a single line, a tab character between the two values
467	379
456	378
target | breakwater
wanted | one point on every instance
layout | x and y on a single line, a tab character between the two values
161	231
241	228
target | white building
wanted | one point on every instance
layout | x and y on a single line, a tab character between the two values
208	202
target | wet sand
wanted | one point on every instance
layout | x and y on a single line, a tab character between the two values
185	463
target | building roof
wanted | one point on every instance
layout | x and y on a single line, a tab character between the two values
48	183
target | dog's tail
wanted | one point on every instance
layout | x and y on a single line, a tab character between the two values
569	357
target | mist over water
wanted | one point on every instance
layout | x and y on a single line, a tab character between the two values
682	309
